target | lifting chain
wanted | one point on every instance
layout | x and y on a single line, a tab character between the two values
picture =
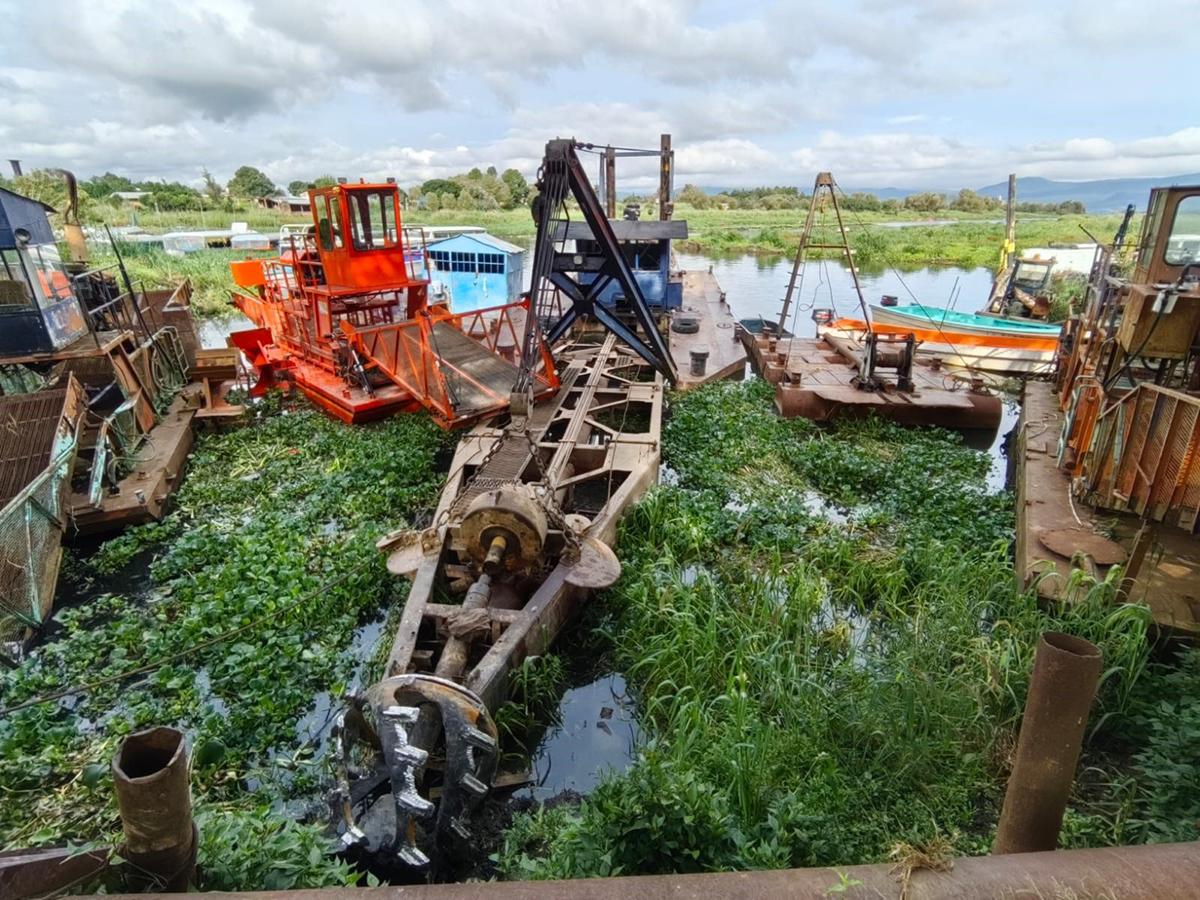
545	494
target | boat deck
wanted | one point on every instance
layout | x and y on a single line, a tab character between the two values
1054	533
815	378
703	297
142	495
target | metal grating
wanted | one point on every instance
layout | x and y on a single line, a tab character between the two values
28	428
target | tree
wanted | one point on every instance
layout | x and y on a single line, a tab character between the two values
969	201
249	182
518	187
925	202
441	186
860	202
475	174
212	187
170	195
324	181
298	187
491	171
693	196
106	185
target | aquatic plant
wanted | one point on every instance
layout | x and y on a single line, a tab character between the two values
272	533
829	651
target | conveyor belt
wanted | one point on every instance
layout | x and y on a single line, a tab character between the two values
476	376
511	458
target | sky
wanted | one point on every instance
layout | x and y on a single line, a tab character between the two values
884	93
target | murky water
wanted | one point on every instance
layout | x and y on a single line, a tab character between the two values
596	731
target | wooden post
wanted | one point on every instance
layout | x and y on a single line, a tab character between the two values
665	173
610	182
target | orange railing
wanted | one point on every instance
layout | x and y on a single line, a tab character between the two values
461	367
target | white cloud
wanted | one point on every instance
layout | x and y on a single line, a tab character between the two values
427	87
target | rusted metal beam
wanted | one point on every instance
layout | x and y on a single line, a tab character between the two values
1131	873
43	872
1066	671
150	774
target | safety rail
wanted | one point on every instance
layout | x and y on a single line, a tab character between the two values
1143	456
461	367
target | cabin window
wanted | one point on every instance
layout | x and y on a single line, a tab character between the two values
328	232
462	262
14	287
491	264
373	219
642	256
1183	244
440	260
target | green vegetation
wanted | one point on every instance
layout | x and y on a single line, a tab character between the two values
274	532
830	658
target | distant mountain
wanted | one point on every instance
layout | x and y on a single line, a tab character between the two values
1103	195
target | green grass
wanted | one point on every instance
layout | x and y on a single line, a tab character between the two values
815	690
267	514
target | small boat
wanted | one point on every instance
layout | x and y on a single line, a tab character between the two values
1015	347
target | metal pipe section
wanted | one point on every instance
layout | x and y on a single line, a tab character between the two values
1066	671
1131	873
150	774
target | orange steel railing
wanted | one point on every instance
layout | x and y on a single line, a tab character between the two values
459	378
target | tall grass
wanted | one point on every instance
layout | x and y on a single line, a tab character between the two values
816	688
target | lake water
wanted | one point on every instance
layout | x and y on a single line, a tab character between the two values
755	285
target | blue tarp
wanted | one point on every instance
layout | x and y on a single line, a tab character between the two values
21	212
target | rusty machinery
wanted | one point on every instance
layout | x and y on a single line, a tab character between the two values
1129	367
522	533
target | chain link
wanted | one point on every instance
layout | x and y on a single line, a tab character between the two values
545	496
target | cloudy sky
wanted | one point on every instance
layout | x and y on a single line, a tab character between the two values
931	93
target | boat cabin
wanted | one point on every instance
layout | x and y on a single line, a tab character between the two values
39	312
360	241
647	248
476	271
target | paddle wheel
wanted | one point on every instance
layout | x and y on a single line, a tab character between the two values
344	314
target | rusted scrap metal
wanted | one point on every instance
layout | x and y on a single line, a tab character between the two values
1066	671
523	530
150	774
1147	872
46	871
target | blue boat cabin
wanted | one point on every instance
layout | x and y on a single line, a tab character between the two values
647	249
476	271
39	312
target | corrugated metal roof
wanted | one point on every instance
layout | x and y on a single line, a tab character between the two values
484	238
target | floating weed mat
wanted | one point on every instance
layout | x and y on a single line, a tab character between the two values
828	648
268	514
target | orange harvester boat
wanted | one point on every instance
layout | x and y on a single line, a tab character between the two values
344	314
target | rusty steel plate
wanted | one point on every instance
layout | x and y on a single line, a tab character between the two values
407	549
1066	542
597	566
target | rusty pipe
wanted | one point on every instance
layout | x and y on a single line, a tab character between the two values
1066	671
150	774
